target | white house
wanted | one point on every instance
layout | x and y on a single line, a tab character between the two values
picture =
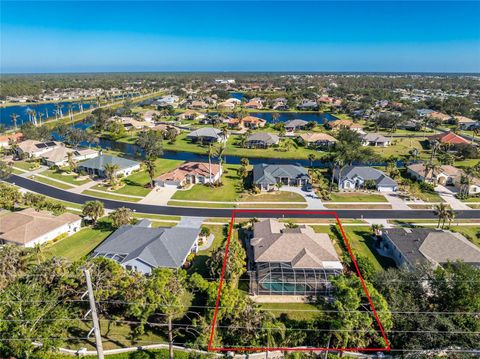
354	177
28	227
96	166
190	173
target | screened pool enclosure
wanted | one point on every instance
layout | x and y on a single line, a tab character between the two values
281	279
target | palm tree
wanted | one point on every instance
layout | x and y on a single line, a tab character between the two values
70	110
40	116
93	210
451	215
442	213
433	167
219	154
72	163
121	216
210	153
476	132
377	229
14	118
149	164
111	173
311	158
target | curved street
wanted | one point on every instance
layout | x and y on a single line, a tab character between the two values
64	195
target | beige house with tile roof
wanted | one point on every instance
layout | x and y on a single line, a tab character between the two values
29	227
290	261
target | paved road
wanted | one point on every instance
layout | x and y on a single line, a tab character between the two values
220	212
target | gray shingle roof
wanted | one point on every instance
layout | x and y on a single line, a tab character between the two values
427	245
206	132
367	173
296	123
99	162
268	138
265	173
375	137
158	247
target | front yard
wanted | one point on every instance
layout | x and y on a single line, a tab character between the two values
70	178
227	192
78	245
356	197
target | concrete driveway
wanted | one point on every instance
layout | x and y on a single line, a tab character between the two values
313	201
449	196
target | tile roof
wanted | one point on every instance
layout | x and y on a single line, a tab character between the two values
449	137
27	225
189	168
317	136
300	247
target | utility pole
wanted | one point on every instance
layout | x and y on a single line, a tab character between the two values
93	311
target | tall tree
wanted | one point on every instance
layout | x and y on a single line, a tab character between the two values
151	142
14	118
111	173
151	169
121	217
93	210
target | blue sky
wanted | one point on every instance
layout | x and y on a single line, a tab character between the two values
69	36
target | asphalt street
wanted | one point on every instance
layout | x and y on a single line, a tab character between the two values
222	212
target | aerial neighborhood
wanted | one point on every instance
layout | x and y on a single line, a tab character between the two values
294	189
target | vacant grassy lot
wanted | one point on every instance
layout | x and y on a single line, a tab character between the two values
361	242
356	197
79	244
277	196
400	146
61	185
227	192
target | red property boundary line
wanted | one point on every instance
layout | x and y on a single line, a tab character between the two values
251	349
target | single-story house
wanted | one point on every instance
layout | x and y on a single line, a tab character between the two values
58	156
465	123
191	115
198	105
317	139
262	140
252	122
131	123
290	261
375	139
150	115
308	105
142	248
449	138
33	148
280	104
424	112
295	125
225	106
439	116
444	175
354	177
6	140
190	173
339	124
30	227
412	247
207	135
96	166
255	103
266	176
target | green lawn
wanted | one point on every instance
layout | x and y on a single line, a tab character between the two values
182	144
361	242
110	196
199	263
51	182
356	197
78	245
400	146
137	183
277	196
228	192
199	205
293	311
24	165
69	178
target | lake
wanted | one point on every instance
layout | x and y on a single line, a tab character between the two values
47	109
319	117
